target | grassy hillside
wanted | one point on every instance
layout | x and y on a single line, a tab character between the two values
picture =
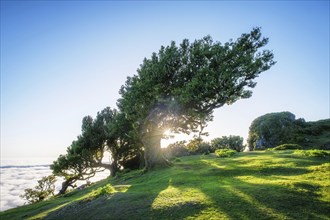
316	134
254	185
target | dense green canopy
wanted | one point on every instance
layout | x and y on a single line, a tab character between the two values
179	87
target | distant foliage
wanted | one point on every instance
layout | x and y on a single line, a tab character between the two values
312	153
44	190
177	149
287	147
198	146
192	146
225	152
273	129
181	148
232	142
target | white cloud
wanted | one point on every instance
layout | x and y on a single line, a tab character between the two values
14	179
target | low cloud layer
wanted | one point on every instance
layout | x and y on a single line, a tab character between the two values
16	178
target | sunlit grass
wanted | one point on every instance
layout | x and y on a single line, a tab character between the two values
254	185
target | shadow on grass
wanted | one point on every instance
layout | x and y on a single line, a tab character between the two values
223	194
240	199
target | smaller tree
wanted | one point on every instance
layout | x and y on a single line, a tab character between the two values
44	190
76	165
198	146
193	145
232	142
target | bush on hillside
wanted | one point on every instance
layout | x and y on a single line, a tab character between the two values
44	190
312	153
287	147
225	152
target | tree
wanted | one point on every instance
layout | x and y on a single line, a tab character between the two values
179	87
75	165
108	132
125	148
44	190
95	139
232	142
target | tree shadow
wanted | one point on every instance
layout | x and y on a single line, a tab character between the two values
265	200
231	197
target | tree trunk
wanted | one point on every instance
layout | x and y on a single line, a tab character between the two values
153	154
66	184
113	167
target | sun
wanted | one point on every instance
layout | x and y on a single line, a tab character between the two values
167	132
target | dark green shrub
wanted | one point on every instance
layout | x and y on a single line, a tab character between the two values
225	152
126	170
206	153
287	147
325	146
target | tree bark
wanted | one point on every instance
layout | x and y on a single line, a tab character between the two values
113	167
153	154
66	184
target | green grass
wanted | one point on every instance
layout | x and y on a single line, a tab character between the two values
312	153
254	185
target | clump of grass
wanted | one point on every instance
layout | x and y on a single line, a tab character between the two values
312	153
287	147
105	190
225	152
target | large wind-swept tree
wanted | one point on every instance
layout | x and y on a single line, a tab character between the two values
179	87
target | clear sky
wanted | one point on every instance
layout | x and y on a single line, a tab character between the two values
63	60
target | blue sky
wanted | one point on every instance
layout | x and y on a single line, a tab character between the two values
61	61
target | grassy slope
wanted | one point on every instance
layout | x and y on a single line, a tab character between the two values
255	185
316	135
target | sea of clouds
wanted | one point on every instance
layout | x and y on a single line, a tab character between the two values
17	175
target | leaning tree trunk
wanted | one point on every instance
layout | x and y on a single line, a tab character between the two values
114	166
66	184
153	154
